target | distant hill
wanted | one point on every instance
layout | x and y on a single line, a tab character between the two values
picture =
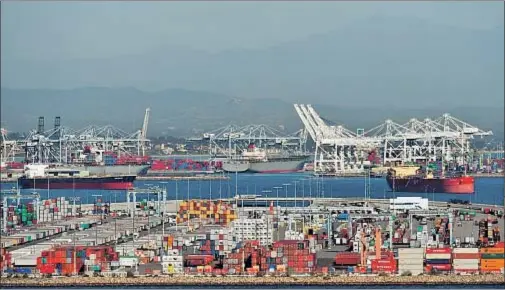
180	112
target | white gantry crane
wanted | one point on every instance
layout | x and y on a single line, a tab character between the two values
65	145
143	132
340	151
231	140
8	148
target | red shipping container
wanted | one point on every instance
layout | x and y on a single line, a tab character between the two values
466	256
438	251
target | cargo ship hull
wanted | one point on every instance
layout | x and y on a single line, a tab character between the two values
97	183
235	166
454	185
277	166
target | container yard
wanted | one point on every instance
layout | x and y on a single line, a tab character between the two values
228	238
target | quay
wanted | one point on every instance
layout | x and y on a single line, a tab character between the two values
171	205
371	280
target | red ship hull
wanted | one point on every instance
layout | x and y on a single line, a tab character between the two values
96	183
454	185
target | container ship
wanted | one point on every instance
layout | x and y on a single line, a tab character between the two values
413	179
256	160
183	167
101	162
40	176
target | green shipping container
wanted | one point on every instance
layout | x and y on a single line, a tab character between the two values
419	228
493	256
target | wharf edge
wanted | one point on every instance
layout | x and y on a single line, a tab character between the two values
493	279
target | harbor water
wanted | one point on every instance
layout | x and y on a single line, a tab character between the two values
488	190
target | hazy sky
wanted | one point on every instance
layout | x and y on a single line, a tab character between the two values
68	29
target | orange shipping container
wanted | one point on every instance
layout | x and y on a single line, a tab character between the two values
499	264
492	250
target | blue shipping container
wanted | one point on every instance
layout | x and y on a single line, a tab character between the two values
343	216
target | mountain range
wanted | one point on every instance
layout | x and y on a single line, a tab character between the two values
179	112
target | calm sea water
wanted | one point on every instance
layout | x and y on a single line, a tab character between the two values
488	190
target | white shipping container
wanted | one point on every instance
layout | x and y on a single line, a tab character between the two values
466	250
409	262
438	256
462	262
466	267
411	267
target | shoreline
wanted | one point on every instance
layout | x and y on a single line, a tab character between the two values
237	281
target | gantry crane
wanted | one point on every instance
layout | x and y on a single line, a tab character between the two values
143	132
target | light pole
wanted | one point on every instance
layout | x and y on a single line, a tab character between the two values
164	210
286	187
268	218
96	227
296	182
277	191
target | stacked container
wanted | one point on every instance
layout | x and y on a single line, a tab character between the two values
168	242
438	259
224	240
20	215
488	234
386	263
99	258
261	229
54	209
109	158
172	262
247	257
294	256
5	260
465	260
347	259
132	160
61	260
198	260
410	260
492	260
218	212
